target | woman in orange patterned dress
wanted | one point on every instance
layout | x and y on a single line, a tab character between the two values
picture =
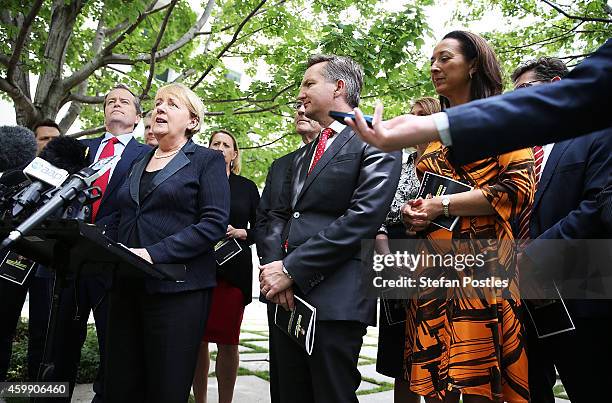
468	346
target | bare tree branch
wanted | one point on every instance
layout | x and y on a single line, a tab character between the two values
545	41
267	144
19	98
250	99
167	51
86	99
113	58
75	106
230	43
21	39
575	17
4	59
573	57
160	35
98	61
94	130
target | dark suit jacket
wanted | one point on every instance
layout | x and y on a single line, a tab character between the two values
181	218
243	206
604	201
270	196
327	214
566	208
132	152
579	104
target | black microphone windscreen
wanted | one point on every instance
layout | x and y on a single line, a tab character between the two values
65	153
17	147
13	178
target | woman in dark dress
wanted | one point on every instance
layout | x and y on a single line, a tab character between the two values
391	330
234	278
173	208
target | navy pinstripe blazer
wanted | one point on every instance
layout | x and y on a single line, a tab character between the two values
181	217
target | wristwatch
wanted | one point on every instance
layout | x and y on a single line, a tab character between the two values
445	204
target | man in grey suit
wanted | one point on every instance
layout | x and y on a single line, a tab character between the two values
336	194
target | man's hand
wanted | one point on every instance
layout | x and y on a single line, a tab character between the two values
285	299
396	133
142	252
237	233
272	280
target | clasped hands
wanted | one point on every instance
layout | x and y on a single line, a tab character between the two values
417	214
275	285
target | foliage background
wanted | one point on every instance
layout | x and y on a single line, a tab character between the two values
110	41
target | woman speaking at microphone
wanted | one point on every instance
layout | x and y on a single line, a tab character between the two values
174	208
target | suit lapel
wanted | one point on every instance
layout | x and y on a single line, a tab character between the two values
93	145
128	156
551	165
178	162
135	177
328	156
302	163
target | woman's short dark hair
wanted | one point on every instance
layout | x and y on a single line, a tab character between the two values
487	78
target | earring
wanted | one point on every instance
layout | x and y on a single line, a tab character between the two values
470	74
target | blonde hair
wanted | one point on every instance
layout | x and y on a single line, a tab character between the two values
191	101
430	105
236	164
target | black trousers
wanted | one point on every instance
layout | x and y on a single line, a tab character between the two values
153	343
12	297
273	373
77	300
582	358
330	374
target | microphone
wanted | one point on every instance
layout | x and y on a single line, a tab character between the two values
43	176
60	157
17	147
68	192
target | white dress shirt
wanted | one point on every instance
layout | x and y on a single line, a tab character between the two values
120	145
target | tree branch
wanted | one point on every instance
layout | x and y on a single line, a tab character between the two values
575	17
94	130
267	144
21	40
85	99
99	59
230	43
575	56
164	53
250	99
19	98
160	35
4	59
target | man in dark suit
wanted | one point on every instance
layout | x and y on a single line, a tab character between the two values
308	129
88	293
337	195
570	175
575	106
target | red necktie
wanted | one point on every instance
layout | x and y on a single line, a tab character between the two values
325	134
102	181
538	154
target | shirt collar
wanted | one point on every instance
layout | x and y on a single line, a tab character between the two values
337	127
123	138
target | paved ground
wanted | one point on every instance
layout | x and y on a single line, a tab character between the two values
252	386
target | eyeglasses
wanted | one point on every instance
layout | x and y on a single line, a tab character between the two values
528	84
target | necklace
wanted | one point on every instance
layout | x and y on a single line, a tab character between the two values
156	156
